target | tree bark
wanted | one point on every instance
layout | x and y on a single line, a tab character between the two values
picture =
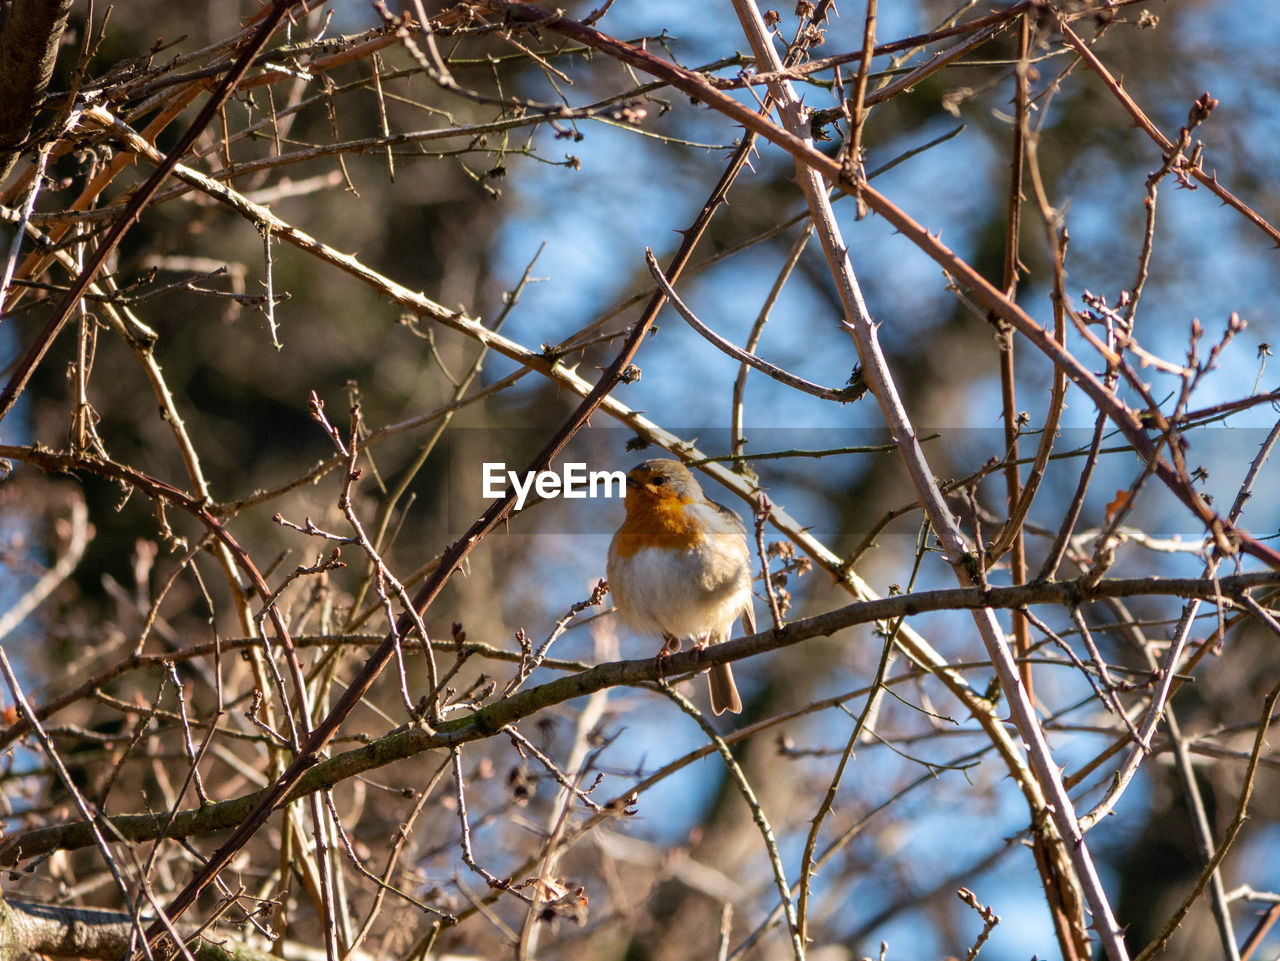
29	37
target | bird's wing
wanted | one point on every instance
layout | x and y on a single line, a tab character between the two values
730	515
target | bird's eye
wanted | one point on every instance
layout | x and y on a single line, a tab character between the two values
659	481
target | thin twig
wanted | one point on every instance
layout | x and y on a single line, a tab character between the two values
743	785
78	534
989	920
784	377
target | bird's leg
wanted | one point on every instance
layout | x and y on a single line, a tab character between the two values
671	644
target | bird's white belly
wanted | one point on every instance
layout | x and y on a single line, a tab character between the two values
686	594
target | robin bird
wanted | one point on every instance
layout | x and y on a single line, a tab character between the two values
679	567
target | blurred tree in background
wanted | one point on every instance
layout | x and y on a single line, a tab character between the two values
283	677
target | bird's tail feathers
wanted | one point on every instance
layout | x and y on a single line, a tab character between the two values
724	692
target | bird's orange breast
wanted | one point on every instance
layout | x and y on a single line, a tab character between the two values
656	522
